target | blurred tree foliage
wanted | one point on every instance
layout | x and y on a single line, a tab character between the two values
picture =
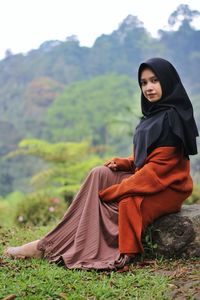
63	92
89	108
66	165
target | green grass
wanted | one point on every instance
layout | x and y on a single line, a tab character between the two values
38	279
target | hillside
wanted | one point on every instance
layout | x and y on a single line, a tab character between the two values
62	91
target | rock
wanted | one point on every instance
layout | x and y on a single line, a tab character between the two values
178	234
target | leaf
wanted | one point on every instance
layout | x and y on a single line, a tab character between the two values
10	297
63	295
124	269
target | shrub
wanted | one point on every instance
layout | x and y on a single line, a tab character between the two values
195	197
39	210
5	212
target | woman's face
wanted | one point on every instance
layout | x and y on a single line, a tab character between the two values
150	85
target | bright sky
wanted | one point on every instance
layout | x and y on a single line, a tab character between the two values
26	24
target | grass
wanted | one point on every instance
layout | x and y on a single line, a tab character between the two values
38	279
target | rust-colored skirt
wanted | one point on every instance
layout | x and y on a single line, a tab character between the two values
91	236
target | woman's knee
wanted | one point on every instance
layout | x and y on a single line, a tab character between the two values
105	176
100	170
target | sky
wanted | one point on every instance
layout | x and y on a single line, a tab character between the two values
26	24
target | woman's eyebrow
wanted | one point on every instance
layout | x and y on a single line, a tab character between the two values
151	77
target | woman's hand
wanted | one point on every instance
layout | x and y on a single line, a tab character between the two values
112	165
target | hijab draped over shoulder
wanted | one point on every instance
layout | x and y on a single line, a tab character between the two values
169	121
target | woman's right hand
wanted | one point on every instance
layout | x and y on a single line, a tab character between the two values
112	165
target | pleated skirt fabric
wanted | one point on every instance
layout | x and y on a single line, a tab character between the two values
87	236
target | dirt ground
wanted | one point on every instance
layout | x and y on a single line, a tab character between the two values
184	277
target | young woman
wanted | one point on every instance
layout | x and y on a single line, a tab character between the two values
104	225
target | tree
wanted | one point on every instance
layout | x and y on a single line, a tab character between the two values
8	53
66	165
86	110
182	15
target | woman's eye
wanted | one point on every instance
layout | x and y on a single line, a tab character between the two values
155	80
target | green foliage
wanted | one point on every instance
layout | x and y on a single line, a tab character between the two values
90	107
68	164
14	198
38	96
5	212
195	197
59	152
8	208
39	209
149	245
65	92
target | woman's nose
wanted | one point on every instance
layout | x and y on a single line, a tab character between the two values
149	86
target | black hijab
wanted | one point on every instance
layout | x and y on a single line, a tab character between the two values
174	106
